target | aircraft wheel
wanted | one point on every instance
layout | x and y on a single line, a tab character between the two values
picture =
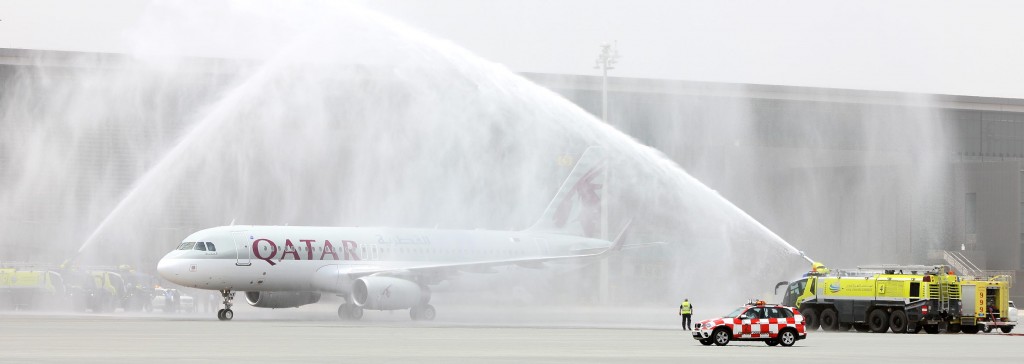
427	313
414	313
355	312
228	314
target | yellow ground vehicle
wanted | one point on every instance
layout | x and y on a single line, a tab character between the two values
30	288
99	289
986	303
879	298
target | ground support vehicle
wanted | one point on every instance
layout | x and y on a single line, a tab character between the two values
139	290
30	288
987	305
171	300
99	289
771	323
878	298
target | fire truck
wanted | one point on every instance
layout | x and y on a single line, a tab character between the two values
900	298
31	288
986	304
26	286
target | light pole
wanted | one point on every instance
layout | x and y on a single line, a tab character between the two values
605	61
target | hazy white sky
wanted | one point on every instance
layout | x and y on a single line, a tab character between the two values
954	47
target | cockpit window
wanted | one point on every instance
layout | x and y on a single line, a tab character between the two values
210	247
201	246
187	245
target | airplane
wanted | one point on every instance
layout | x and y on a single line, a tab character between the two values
384	268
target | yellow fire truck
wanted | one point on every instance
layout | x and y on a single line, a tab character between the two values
99	289
905	298
30	288
986	303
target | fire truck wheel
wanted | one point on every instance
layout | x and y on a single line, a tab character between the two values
1006	329
970	329
878	320
987	329
787	337
931	329
861	327
829	319
721	336
953	328
810	318
898	321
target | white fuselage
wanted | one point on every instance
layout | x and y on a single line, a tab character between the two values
325	259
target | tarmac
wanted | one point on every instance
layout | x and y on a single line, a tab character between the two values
537	336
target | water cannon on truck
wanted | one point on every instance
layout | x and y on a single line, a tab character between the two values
900	298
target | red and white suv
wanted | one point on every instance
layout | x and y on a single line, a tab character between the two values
773	324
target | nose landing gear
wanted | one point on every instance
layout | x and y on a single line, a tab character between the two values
225	314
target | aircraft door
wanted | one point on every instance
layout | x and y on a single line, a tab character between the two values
243	252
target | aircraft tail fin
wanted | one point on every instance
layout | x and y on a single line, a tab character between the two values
576	208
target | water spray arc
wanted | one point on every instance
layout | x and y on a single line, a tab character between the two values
357	120
203	128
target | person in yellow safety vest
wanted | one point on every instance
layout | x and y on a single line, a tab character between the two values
685	310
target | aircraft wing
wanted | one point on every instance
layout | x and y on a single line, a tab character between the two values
439	270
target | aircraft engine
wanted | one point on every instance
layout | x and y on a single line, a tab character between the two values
281	299
387	293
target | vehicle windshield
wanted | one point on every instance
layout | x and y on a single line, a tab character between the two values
794	290
735	313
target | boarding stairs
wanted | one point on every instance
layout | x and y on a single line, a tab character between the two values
959	261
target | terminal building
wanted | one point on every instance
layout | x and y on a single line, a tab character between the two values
851	177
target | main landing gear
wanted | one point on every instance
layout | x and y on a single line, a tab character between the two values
424	312
350	311
225	314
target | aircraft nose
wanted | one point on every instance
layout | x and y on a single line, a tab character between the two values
166	268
